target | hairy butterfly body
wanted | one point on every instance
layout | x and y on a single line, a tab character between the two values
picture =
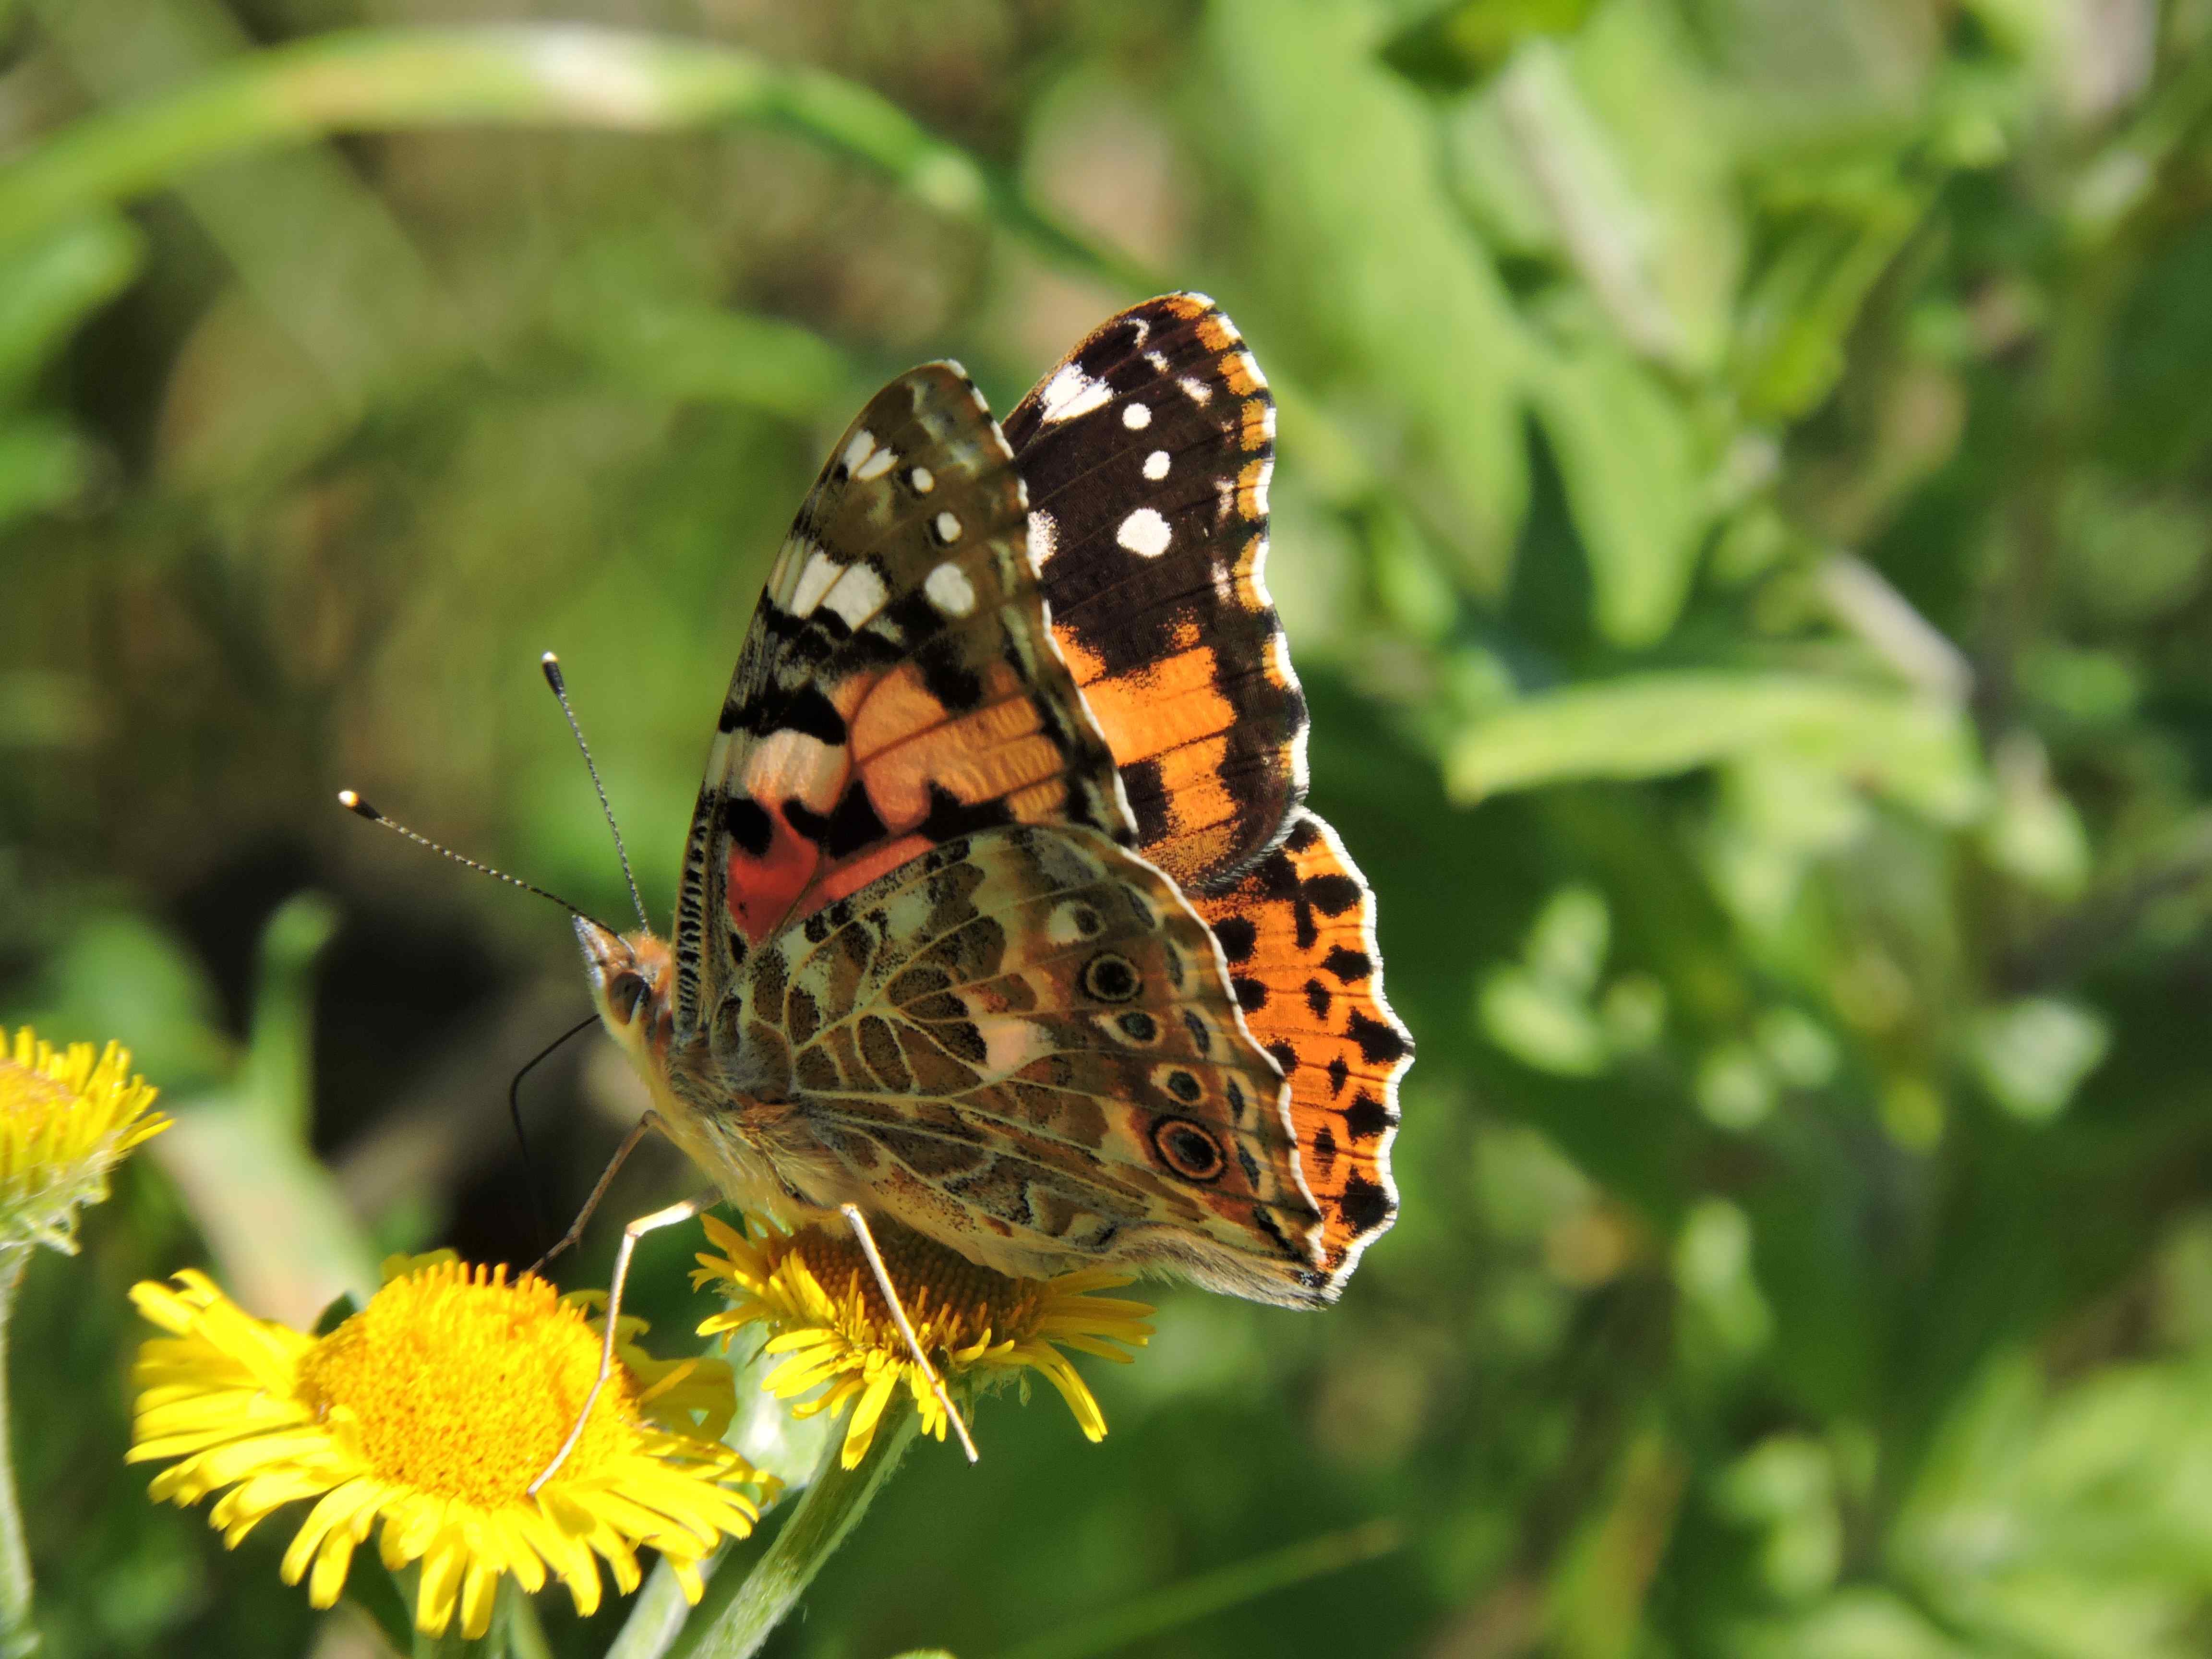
1000	913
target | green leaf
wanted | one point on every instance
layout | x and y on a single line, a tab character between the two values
1789	343
1359	244
49	286
1629	463
1916	750
1464	45
43	465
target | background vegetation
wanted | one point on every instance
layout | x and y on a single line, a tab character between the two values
1746	486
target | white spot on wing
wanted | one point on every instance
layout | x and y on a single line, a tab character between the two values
1260	481
1158	360
1144	533
863	444
814	578
1044	536
1070	922
877	465
1197	390
856	596
948	528
924	480
1071	393
1155	465
950	590
1136	417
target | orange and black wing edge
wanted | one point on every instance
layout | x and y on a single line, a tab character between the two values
1298	930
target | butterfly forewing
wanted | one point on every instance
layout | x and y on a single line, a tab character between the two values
897	687
1147	454
1023	1042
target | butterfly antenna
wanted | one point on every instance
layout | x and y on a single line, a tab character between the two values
360	808
551	664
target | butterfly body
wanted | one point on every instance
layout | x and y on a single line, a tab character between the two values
1006	777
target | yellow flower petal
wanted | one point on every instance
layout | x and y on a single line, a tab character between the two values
424	1418
825	1321
66	1120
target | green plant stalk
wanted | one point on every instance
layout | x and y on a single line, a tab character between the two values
364	80
18	1635
1211	1593
734	1623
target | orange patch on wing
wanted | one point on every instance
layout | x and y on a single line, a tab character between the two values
851	877
1252	488
759	892
904	742
1215	333
1174	702
1242	373
1199	799
1297	932
1254	426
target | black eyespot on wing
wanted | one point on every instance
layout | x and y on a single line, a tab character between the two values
809	712
1185	1087
1188	1150
1333	894
1139	1026
748	824
1108	977
1379	1044
1349	966
1237	935
1365	1206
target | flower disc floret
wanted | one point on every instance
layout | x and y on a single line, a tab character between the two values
68	1116
816	1297
432	1410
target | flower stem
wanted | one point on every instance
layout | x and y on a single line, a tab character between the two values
735	1623
17	1633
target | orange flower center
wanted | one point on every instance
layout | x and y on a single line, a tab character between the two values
463	1385
957	1301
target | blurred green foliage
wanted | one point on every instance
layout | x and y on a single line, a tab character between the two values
1746	484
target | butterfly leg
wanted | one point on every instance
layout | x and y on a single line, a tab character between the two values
599	1190
672	1216
859	1225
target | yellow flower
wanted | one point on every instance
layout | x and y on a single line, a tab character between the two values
66	1120
815	1294
433	1409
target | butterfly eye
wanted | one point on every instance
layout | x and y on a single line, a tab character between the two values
625	993
1111	978
1186	1149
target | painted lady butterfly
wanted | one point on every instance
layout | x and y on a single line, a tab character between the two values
1000	915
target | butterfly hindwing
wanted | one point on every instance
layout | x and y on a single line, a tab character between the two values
899	686
1023	1042
1297	931
1147	454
